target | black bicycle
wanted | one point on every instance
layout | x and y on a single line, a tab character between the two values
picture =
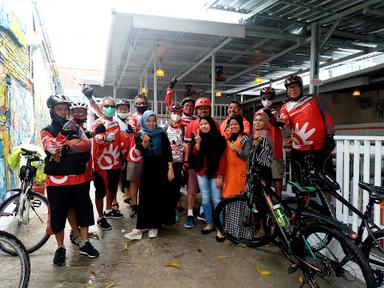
14	271
373	245
25	213
258	217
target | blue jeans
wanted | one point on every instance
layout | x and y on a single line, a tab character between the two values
209	192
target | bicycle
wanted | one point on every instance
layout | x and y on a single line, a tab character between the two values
14	271
373	246
25	214
257	217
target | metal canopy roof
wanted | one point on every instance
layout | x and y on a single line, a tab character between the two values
272	41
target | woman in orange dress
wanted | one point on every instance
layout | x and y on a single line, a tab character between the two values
236	156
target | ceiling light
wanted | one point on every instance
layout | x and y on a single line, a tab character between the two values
218	93
160	72
143	90
259	80
356	93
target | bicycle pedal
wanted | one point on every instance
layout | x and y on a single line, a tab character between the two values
36	203
293	268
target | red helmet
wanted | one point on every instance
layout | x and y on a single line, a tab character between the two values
203	102
293	79
267	92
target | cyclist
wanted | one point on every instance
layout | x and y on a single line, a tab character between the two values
268	95
68	169
310	124
234	109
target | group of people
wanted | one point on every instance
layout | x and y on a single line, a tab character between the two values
152	162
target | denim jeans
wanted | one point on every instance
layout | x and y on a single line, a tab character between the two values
209	192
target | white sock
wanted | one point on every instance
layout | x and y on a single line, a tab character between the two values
107	210
201	210
190	212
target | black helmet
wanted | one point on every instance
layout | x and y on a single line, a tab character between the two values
293	79
267	92
185	100
121	102
57	99
176	108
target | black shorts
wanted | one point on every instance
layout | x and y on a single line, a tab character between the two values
322	161
106	181
61	198
124	183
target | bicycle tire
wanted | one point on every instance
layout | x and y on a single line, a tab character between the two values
8	239
376	259
351	253
240	226
9	222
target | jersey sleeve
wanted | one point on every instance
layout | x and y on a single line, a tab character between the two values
82	144
247	126
326	116
189	133
51	144
168	98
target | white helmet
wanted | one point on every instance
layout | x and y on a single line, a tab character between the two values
79	104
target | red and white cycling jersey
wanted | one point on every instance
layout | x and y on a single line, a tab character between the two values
107	155
185	119
309	122
134	121
55	144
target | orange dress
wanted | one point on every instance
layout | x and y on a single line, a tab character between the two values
235	171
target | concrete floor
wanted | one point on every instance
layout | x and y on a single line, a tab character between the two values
203	261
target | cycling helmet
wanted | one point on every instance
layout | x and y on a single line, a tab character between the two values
293	79
57	99
185	100
176	108
79	104
203	102
121	102
267	92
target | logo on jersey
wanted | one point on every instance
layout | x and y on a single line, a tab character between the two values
301	135
58	179
109	157
135	154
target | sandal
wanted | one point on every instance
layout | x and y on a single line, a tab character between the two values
115	206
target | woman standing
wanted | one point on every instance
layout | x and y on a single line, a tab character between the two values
260	158
236	156
156	203
210	166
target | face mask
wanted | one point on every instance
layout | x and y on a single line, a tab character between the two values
267	103
141	109
122	115
175	117
109	111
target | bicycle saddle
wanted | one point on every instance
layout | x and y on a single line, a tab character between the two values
375	192
28	152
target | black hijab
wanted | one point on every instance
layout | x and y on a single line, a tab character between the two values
212	148
239	119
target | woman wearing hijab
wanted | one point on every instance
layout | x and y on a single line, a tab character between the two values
236	156
156	203
260	157
210	167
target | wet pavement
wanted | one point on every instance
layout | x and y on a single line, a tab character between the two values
200	261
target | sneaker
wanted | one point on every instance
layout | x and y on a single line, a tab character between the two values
59	258
89	250
201	217
103	224
75	239
113	214
134	210
189	222
152	233
135	234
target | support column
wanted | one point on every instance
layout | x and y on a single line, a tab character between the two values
213	85
114	92
314	59
145	83
140	84
154	82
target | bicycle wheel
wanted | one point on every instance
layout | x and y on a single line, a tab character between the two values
238	223
31	231
14	271
338	261
375	256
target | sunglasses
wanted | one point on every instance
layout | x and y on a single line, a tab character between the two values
109	106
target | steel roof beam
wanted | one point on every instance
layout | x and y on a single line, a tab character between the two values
373	12
329	33
260	7
282	53
286	36
349	11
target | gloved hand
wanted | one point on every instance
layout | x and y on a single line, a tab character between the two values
243	139
110	137
330	143
100	129
172	82
186	167
68	127
88	92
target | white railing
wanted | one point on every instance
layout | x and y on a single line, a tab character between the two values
358	158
